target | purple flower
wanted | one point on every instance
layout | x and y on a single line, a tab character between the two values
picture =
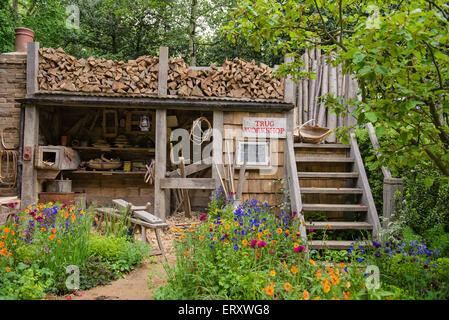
377	254
377	244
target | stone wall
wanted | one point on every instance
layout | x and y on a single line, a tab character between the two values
12	86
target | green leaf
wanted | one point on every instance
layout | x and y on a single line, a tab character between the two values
380	131
371	116
428	182
358	57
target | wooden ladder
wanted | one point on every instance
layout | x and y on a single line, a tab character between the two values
333	181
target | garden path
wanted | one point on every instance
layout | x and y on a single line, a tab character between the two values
141	283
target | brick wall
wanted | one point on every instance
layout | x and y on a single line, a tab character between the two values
12	86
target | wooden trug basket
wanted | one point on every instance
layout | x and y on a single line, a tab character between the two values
310	134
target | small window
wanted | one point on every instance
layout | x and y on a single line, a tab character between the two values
255	153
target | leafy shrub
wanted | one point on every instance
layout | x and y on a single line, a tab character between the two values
26	282
95	273
119	253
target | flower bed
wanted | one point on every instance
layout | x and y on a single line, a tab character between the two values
41	242
250	253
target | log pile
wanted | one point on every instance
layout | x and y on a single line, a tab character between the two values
236	79
59	71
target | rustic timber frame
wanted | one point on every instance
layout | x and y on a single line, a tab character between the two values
164	182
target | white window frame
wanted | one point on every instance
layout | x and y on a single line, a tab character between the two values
241	143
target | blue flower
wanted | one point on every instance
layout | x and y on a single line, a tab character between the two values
359	259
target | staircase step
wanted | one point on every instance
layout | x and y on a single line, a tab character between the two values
322	145
334	207
324	175
327	160
338	225
335	244
332	190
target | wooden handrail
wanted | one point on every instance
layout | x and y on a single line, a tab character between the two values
293	184
362	182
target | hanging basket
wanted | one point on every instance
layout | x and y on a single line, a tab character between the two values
310	134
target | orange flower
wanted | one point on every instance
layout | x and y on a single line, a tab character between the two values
8	269
52	237
2	244
288	287
245	242
296	245
59	241
4	251
329	227
269	290
348	285
327	286
306	295
201	237
13	232
53	230
312	262
318	274
279	230
317	298
257	255
335	280
43	229
272	273
294	270
4	237
186	253
6	230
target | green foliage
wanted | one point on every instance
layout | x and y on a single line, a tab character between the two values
121	254
95	273
25	282
402	71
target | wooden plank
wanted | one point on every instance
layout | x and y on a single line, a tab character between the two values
332	117
289	85
338	225
148	217
160	203
363	183
322	145
163	71
190	169
335	244
376	146
332	190
327	160
187	183
334	207
185	194
217	143
323	175
32	67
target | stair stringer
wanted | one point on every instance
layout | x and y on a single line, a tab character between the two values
362	182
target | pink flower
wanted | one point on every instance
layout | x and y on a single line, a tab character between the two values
203	217
69	298
271	251
311	230
253	243
299	249
262	244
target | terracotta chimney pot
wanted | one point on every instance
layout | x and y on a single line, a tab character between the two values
23	35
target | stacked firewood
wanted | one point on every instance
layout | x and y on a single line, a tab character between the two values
59	71
236	79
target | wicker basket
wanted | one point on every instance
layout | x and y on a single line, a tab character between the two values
101	165
310	134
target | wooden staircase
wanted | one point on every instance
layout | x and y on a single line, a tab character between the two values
333	182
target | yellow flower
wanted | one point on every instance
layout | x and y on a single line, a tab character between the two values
288	287
306	295
279	230
272	273
296	245
245	242
216	209
269	290
265	232
226	227
236	224
312	262
317	298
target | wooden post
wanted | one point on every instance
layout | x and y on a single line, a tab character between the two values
160	199
289	86
29	186
163	71
391	185
217	169
332	117
185	193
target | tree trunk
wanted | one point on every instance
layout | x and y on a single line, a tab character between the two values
192	32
